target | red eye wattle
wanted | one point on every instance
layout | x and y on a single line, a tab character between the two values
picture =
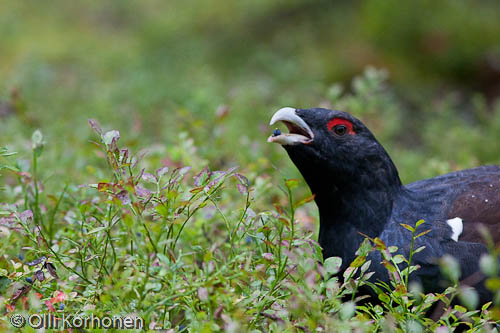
339	121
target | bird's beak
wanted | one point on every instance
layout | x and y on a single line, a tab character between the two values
299	131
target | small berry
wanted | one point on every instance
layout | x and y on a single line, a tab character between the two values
29	280
276	132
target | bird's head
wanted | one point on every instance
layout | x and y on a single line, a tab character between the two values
334	148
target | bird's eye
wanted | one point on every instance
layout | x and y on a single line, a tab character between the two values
340	130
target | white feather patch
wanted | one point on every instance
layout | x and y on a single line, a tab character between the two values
456	227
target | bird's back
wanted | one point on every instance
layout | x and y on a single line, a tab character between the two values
473	195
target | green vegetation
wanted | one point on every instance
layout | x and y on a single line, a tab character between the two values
148	215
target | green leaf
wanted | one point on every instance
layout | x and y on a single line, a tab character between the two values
93	231
393	249
493	283
384	298
304	201
349	272
291	183
162	210
450	267
408	227
128	220
332	265
37	142
111	136
4	284
397	259
488	265
365	248
347	310
365	266
419	223
468	297
423	233
485	306
419	249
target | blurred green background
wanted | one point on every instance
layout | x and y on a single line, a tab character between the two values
424	76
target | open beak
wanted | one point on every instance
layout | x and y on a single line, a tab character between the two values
299	131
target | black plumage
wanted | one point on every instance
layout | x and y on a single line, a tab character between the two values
358	191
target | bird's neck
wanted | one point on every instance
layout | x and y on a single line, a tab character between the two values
351	203
364	203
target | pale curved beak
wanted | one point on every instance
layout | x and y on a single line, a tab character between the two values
299	131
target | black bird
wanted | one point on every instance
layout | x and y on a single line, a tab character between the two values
358	191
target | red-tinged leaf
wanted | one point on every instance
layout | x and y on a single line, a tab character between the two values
19	292
24	300
52	269
95	126
278	208
150	178
380	245
104	187
10	307
184	203
285	221
388	266
217	181
218	312
123	197
111	137
201	176
197	189
423	233
60	297
203	294
400	288
39	275
139	176
268	256
26	215
230	170
291	183
366	236
50	306
182	171
36	261
98	145
408	227
52	198
268	243
124	154
349	272
304	201
242	189
242	179
358	262
160	172
142	192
